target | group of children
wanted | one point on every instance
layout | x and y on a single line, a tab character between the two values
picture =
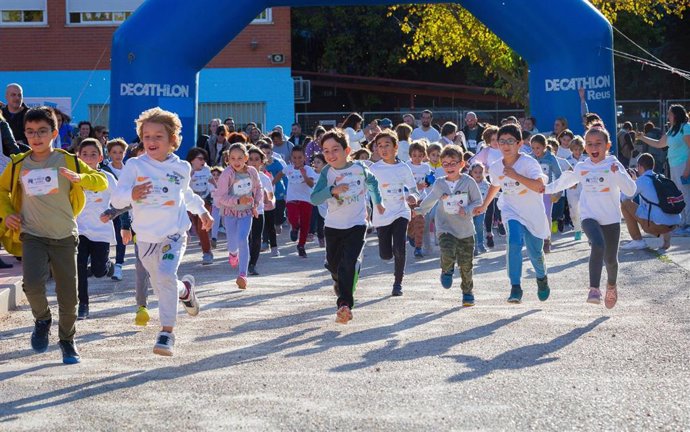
56	206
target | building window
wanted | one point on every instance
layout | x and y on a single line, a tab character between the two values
265	17
23	13
98	18
100	13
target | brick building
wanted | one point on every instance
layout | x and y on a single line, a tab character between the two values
59	51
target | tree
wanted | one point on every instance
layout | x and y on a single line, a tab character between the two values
450	34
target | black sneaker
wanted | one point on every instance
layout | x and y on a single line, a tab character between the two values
301	252
490	241
293	235
397	290
252	271
111	269
561	225
70	355
501	230
39	337
515	294
83	312
4	265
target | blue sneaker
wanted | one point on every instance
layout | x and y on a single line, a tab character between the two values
543	289
447	278
468	300
40	335
578	235
70	355
515	294
418	253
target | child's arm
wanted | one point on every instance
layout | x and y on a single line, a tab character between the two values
565	181
490	195
122	195
475	197
88	178
373	187
321	191
623	180
430	200
307	176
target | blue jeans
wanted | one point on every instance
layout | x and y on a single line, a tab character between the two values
479	230
518	236
237	232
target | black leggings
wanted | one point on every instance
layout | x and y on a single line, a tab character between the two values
392	244
343	249
270	228
255	239
492	213
317	222
604	240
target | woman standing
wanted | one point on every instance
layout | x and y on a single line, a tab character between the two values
677	139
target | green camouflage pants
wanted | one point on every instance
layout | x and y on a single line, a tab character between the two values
461	251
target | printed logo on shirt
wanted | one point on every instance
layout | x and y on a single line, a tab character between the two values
596	180
242	186
163	191
454	202
355	184
511	187
392	192
546	169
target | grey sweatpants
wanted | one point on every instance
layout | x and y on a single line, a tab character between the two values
141	288
604	240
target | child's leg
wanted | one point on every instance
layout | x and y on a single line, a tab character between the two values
280	212
596	258
215	214
514	254
479	230
201	233
558	209
162	260
305	210
334	249
535	251
352	245
231	223
385	236
100	258
320	222
399	232
464	252
244	225
575	213
63	262
121	248
428	220
270	228
612	235
416	229
314	215
293	214
82	270
548	206
446	243
489	217
255	239
142	278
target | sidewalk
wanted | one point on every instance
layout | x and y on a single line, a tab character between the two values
678	253
11	293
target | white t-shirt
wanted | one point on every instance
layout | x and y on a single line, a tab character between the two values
404	151
395	180
355	138
431	134
267	185
88	222
199	181
517	202
351	207
563	153
116	171
420	172
297	189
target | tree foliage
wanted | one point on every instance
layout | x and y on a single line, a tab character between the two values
450	34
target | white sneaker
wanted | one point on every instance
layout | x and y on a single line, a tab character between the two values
190	303
635	245
117	272
164	344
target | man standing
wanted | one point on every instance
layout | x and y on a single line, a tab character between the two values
281	147
14	110
409	120
426	130
296	135
473	131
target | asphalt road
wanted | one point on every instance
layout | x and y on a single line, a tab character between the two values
272	357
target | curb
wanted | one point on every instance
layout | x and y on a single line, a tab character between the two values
11	296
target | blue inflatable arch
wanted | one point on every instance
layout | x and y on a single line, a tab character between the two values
158	52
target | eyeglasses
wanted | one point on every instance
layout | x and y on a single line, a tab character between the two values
510	141
41	133
450	164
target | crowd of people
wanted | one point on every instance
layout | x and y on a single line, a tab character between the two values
413	183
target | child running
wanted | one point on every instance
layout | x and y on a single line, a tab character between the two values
156	185
398	189
420	170
319	212
344	185
477	173
201	184
521	180
551	170
238	195
459	196
300	179
577	148
603	179
116	149
256	160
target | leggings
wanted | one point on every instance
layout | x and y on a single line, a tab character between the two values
141	287
604	240
255	239
217	219
317	222
237	231
492	214
479	222
280	212
392	245
201	233
519	235
270	228
98	251
548	206
120	249
558	210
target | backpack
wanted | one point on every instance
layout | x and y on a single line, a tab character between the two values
671	199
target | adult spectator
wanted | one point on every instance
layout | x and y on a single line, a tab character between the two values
425	130
404	131
647	216
14	111
653	132
626	143
677	139
559	125
473	132
255	135
217	144
531	125
352	125
280	146
84	130
409	120
296	135
449	131
314	146
65	130
102	134
206	141
230	123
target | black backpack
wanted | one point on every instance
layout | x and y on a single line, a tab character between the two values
671	199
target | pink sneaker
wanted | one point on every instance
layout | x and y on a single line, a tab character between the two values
241	281
594	296
343	315
233	259
611	296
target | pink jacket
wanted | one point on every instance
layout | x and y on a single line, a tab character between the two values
228	203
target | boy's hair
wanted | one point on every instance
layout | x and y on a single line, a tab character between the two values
276	134
646	160
417	146
338	135
452	151
256	150
433	147
590	119
136	149
526	135
448	128
218	169
356	155
320	157
86	142
539	139
552	143
387	133
510	129
477	165
404	131
115	142
168	119
298	149
265	145
566	132
466	156
489	132
578	142
42	113
194	152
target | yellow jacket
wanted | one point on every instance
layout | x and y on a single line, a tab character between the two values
11	193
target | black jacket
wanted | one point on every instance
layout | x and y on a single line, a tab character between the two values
16	122
9	145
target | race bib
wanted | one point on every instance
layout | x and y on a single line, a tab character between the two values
40	182
511	187
163	193
453	203
596	181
